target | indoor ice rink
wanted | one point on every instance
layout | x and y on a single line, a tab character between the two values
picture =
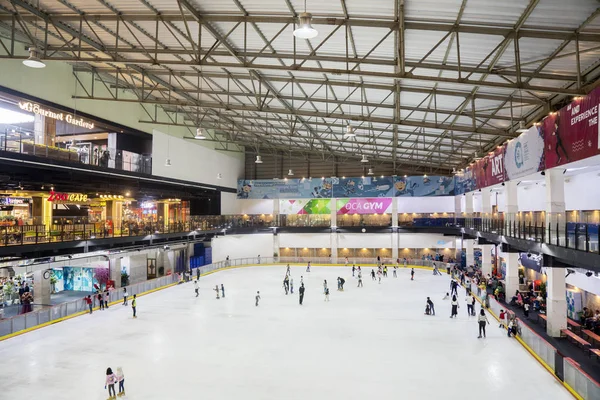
365	342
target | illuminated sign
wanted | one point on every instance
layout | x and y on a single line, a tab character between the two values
68	197
60	116
14	201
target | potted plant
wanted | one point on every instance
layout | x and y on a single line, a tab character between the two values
124	278
53	281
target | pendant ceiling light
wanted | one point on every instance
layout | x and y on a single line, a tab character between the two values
168	162
258	160
364	159
199	134
305	29
290	172
219	176
350	133
522	127
370	171
34	60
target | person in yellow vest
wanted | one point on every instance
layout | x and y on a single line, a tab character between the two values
134	305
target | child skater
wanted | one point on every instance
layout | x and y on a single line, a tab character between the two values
111	379
217	290
257	298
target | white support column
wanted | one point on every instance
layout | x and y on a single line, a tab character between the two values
394	214
334	247
115	271
555	204
275	246
486	259
511	280
469	205
469	252
42	287
457	208
486	203
333	206
511	203
276	212
394	246
556	302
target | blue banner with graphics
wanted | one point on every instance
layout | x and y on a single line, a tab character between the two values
465	182
285	188
363	187
423	186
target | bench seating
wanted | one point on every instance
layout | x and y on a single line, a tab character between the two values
573	324
591	335
575	338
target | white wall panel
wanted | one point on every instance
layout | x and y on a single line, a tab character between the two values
301	240
240	246
425	204
425	240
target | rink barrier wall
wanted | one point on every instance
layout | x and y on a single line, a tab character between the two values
576	381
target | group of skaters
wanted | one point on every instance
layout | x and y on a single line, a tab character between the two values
103	298
111	380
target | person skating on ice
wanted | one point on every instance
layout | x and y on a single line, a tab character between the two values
288	271
121	381
473	304
342	281
196	288
326	294
412	274
470	309
292	285
88	301
454	307
385	271
395	271
125	294
308	267
301	280
216	289
301	293
372	274
111	379
222	290
454	288
285	286
379	275
134	306
353	269
257	298
502	318
324	286
447	296
360	282
482	320
431	306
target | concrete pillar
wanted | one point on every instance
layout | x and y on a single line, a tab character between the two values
486	258
394	215
276	212
115	271
555	204
469	205
469	252
333	207
334	247
42	287
486	203
275	246
511	203
556	302
394	246
457	208
511	279
41	210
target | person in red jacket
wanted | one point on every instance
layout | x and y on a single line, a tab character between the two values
88	301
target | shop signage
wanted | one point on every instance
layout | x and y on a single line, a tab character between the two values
14	201
364	206
68	197
60	116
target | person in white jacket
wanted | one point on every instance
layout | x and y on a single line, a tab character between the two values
470	309
196	287
121	381
483	321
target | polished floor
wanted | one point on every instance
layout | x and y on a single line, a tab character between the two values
371	342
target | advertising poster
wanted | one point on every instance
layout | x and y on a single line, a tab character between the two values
490	169
572	133
423	186
532	261
363	187
284	189
465	182
305	206
364	206
524	155
502	267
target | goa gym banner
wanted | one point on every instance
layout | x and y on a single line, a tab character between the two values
364	206
363	187
305	206
572	133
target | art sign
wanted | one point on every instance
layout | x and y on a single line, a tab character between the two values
378	205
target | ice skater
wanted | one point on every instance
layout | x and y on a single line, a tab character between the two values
502	318
216	289
431	306
301	280
454	287
482	319
106	296
395	271
454	307
308	267
412	274
326	294
88	301
324	285
301	293
447	296
257	298
379	275
100	300
125	294
121	380
341	283
360	282
353	269
470	308
372	274
222	291
385	271
285	285
288	271
196	288
134	306
292	285
111	379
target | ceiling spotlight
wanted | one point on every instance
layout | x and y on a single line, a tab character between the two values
219	176
364	159
405	176
127	194
34	60
543	173
453	170
199	134
370	171
258	160
305	29
168	162
350	133
522	127
290	173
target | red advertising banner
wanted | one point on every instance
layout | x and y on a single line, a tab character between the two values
572	133
490	169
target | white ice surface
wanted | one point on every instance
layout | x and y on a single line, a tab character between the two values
369	343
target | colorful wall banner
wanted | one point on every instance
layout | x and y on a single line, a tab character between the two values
423	186
524	155
379	205
305	206
465	182
284	189
490	169
572	133
363	187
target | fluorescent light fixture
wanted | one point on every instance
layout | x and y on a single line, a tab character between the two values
305	29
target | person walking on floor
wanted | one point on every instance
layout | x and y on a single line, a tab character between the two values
431	306
482	319
257	298
196	288
134	306
360	282
88	301
301	293
121	380
412	274
111	379
125	294
454	307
